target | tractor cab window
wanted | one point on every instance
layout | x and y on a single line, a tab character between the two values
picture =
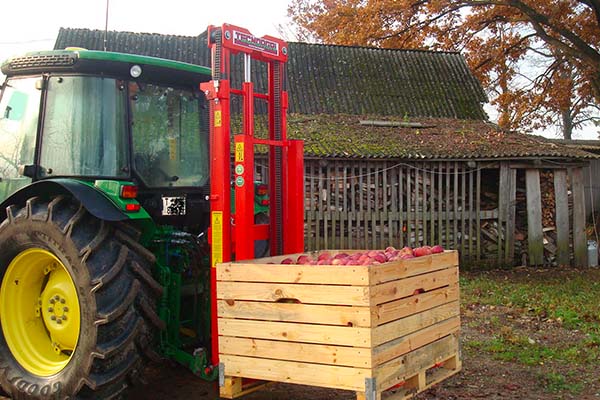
19	107
85	128
170	148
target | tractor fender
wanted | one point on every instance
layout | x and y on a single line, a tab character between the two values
94	201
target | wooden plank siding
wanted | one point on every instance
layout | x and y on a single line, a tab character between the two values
579	236
375	204
372	204
562	216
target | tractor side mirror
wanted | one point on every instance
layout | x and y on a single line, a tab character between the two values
27	170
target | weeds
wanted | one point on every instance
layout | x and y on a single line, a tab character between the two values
549	320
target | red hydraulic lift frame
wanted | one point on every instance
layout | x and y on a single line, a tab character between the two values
233	236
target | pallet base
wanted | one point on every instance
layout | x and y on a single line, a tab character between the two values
234	387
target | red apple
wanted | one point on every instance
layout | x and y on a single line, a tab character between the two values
366	261
324	256
437	249
303	260
392	254
380	258
406	250
356	256
421	251
373	253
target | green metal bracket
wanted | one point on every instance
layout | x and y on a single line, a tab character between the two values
172	259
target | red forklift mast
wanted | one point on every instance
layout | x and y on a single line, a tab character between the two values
233	235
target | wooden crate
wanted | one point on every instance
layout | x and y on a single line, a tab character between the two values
360	328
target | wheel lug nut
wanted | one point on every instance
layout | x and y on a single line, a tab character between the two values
52	301
53	317
63	301
57	297
64	317
65	309
59	321
50	309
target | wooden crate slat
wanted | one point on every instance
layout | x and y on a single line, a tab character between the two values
411	305
293	332
330	274
413	323
290	312
410	342
355	275
405	287
407	365
329	376
414	266
304	293
293	351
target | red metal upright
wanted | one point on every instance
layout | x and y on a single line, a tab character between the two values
233	234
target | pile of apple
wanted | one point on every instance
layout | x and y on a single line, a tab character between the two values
372	257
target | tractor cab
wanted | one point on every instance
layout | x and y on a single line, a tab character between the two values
97	116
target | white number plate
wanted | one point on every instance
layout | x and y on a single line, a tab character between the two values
173	205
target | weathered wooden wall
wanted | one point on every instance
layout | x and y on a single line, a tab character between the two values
493	213
374	204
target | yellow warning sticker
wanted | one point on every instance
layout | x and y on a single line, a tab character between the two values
172	149
239	152
216	223
218	121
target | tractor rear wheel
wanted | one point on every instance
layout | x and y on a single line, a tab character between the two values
77	303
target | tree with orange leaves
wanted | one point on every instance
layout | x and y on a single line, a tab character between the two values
539	60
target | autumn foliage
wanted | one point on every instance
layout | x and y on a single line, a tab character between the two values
538	60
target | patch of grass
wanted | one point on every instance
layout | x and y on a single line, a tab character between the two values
569	298
519	350
503	303
555	383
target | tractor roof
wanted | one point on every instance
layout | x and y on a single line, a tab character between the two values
105	63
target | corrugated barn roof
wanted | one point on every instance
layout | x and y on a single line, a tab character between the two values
329	79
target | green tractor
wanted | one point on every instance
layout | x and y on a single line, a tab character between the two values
106	245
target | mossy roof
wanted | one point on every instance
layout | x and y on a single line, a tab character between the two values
342	136
327	79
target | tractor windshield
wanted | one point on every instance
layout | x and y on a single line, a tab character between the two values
19	108
85	128
170	148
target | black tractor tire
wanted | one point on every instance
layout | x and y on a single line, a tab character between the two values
117	296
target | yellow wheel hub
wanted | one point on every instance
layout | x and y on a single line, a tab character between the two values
39	312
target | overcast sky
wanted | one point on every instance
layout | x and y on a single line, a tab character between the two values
33	24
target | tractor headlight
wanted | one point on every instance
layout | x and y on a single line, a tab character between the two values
135	71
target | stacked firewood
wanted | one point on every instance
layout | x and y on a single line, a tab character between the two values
548	199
